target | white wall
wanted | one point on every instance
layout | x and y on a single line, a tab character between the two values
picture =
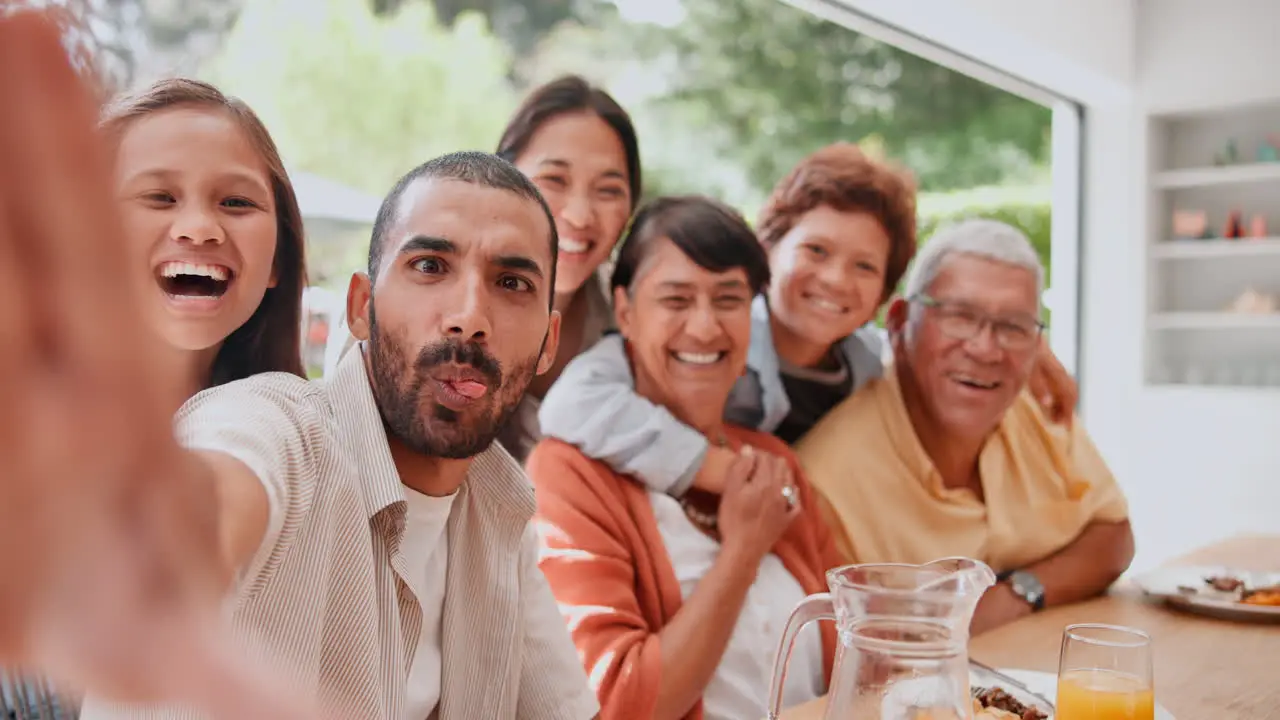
1208	457
1197	465
1080	48
1194	53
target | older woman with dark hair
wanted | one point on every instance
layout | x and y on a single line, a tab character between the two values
677	605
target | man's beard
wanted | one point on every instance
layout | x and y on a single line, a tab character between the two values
428	427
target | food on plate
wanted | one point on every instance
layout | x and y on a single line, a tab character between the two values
1234	589
996	703
1224	583
983	713
1268	596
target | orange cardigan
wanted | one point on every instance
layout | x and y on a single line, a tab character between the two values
609	570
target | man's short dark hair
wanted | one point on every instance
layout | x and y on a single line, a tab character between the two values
477	168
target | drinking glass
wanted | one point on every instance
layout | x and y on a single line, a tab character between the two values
1104	673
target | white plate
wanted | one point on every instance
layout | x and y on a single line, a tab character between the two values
1047	685
1164	583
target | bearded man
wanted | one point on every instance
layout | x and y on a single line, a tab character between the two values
385	558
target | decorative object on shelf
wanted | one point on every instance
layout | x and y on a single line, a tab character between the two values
1229	155
1269	150
1252	302
1233	228
1257	226
1191	225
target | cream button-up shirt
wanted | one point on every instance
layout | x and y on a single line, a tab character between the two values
327	601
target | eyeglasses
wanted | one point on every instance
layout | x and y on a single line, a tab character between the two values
964	322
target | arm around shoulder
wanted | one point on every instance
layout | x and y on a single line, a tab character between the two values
594	407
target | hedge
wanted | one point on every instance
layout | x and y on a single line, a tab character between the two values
1032	218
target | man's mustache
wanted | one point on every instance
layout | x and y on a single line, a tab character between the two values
460	353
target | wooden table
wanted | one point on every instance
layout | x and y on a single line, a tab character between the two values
1205	669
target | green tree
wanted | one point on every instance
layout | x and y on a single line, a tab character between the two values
362	98
780	82
519	23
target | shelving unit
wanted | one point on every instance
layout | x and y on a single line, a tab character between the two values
1194	334
1214	321
1244	247
1224	175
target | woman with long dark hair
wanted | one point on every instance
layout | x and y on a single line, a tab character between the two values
579	147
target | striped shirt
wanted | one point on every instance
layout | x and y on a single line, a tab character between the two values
326	598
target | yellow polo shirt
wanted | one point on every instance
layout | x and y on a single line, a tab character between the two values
885	502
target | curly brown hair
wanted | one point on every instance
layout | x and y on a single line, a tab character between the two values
845	178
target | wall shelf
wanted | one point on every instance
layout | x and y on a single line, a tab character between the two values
1214	321
1193	338
1222	175
1235	248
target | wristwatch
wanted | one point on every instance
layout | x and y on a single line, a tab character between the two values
1028	587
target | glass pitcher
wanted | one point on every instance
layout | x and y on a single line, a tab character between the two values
902	639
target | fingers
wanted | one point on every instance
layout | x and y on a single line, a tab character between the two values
741	470
15	303
773	470
82	289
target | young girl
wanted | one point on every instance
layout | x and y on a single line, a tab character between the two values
209	210
840	231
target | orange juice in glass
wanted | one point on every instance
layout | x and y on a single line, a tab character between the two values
1104	673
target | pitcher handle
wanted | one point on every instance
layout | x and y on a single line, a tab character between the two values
814	607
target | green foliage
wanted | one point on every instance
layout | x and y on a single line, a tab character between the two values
1015	206
361	98
1031	218
779	83
1024	208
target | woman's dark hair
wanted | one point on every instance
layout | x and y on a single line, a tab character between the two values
572	94
270	341
712	235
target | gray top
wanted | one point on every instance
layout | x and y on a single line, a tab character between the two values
594	405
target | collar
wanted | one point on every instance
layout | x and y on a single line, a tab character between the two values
761	354
905	441
494	478
364	437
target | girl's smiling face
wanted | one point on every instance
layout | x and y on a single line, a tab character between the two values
198	207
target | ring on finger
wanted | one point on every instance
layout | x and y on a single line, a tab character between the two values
789	494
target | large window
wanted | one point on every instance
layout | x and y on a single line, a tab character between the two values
727	97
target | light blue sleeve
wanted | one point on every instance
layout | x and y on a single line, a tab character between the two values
594	407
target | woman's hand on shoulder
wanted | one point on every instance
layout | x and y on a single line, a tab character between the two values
754	509
1052	386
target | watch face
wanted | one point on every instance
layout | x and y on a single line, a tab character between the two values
1027	586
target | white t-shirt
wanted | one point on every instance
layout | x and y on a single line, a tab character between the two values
740	686
426	552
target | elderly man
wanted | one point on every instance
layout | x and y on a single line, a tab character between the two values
949	454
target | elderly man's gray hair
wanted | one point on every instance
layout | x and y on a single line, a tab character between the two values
989	239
